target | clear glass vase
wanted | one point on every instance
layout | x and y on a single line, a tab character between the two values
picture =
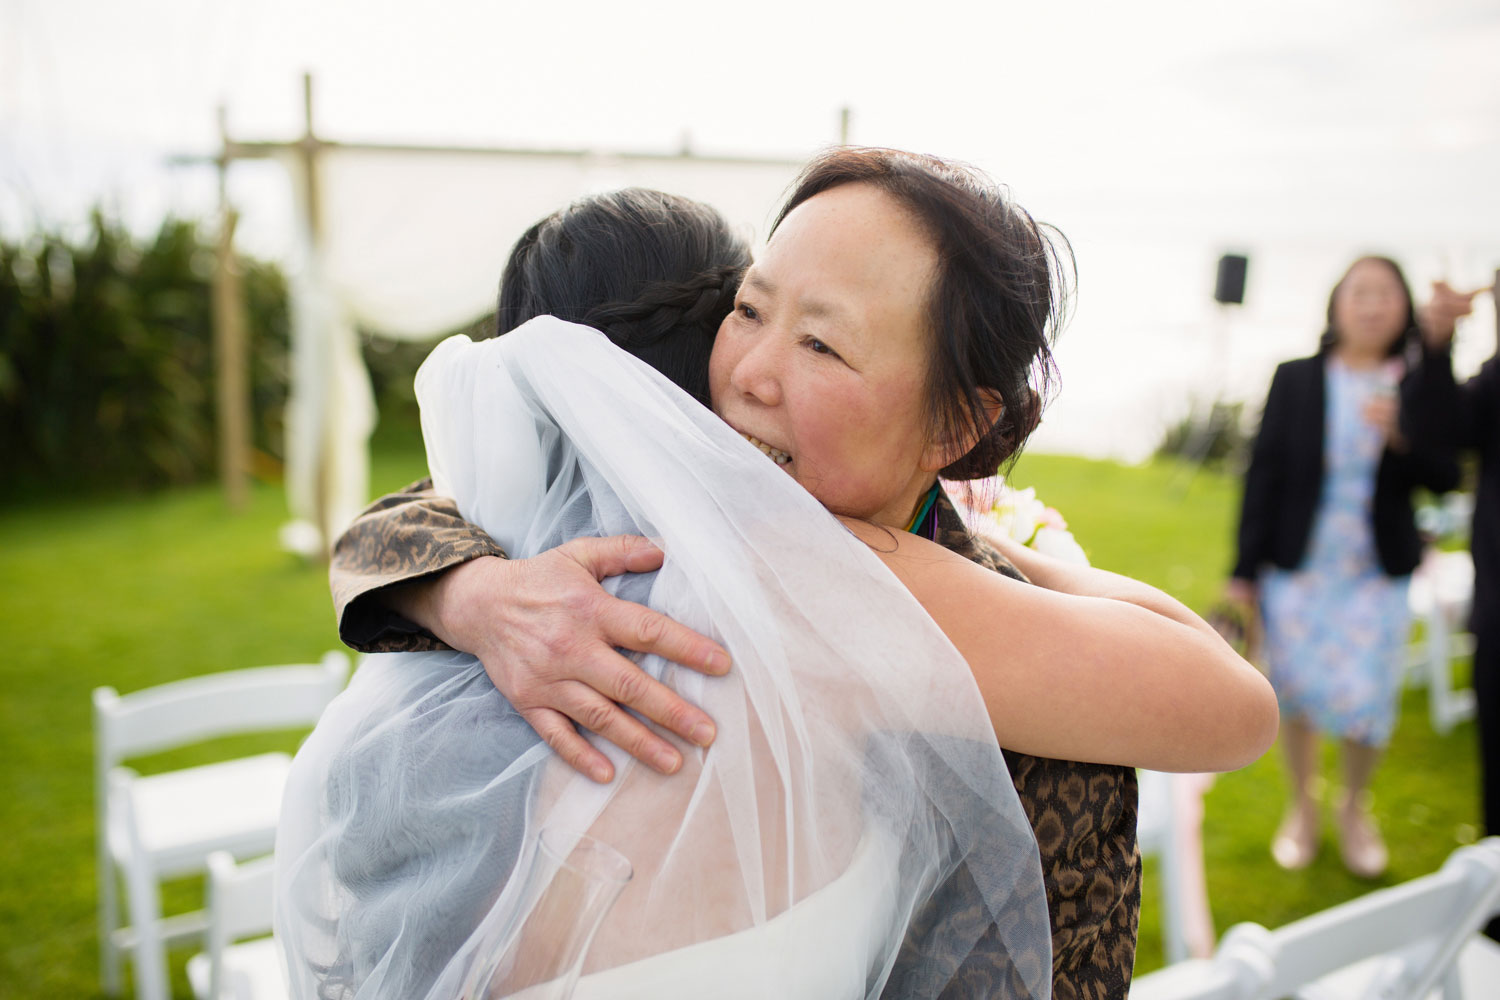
571	882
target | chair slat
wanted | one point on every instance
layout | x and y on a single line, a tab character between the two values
224	704
166	824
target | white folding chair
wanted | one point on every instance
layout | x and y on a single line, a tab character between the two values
1401	943
1199	979
239	906
165	825
1441	594
1169	825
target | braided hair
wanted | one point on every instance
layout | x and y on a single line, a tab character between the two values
655	272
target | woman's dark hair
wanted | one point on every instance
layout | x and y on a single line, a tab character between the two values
1410	333
655	272
997	300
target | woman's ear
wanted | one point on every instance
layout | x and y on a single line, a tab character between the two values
949	447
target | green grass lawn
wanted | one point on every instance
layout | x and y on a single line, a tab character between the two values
1174	529
137	591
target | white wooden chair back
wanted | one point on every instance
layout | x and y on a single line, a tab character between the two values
1418	928
1169	827
179	714
1401	943
223	704
239	906
239	899
1199	979
1440	597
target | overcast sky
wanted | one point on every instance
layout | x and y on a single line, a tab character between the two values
1311	127
1081	104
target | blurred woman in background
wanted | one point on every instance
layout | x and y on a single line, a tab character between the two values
1327	543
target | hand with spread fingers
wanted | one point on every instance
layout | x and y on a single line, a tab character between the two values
550	638
1443	311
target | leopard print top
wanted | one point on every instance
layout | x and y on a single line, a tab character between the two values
1083	814
400	538
1084	819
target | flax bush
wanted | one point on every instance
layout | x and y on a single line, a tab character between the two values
106	359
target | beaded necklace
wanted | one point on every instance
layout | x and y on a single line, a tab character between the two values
924	523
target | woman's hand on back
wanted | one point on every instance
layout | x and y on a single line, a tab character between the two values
548	634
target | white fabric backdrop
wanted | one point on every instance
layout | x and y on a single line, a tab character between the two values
411	245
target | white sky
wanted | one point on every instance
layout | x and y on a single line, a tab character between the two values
1156	133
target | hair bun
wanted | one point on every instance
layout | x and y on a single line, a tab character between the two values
1000	442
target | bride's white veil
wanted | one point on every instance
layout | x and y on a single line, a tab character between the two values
853	832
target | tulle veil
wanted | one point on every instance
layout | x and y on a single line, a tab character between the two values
853	831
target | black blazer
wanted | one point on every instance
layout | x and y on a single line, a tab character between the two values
1471	416
1285	479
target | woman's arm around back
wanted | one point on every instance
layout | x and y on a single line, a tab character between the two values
1088	665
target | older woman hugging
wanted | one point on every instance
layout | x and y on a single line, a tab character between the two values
887	334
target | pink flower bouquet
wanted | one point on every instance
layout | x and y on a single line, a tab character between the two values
992	508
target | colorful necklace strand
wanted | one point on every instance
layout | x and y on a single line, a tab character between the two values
923	511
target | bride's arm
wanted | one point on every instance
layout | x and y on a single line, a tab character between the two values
1089	665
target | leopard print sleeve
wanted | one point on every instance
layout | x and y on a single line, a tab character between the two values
399	538
1084	819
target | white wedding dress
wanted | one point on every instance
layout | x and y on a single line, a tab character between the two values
853	831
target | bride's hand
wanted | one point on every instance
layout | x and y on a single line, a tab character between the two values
547	634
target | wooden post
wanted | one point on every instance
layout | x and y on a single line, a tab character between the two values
231	350
308	147
228	293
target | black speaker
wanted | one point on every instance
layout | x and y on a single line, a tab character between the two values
1230	286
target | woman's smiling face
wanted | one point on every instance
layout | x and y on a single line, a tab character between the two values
1370	308
824	359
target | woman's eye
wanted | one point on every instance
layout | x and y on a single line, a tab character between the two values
748	311
820	347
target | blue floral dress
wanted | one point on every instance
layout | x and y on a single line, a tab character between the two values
1337	626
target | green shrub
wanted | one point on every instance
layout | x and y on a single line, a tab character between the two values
1215	438
393	365
106	359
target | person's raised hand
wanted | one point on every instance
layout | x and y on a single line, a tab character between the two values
1442	312
547	632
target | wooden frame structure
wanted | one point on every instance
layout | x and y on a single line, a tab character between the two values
231	338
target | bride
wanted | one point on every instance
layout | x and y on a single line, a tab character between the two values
856	770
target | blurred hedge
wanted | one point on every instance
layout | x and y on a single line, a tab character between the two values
1217	438
106	360
393	365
